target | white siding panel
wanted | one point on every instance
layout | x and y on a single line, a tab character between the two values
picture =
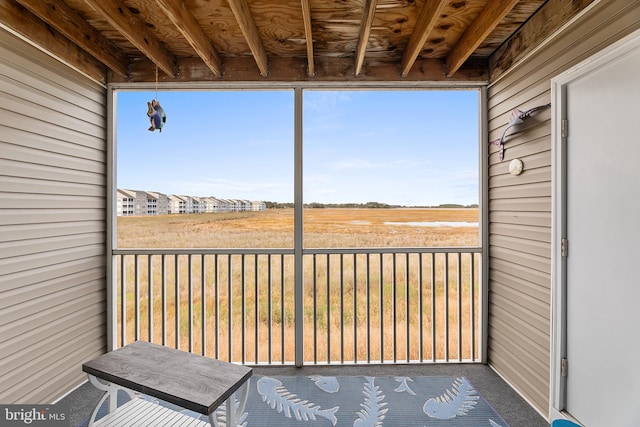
52	224
536	189
531	289
41	278
38	110
37	260
539	234
48	133
50	158
35	231
47	287
520	206
38	186
50	201
83	147
15	249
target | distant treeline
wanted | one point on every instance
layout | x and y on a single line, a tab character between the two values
368	205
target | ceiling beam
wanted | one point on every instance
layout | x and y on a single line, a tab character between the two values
546	21
187	24
248	26
426	21
64	19
308	35
136	31
240	70
368	12
475	34
18	20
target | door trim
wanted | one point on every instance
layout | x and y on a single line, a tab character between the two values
559	84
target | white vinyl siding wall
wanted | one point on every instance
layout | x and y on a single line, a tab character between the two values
520	206
52	224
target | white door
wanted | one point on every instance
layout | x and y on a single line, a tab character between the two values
602	208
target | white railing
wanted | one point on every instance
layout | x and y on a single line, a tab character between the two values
376	305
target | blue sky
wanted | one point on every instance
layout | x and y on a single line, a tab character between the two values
410	148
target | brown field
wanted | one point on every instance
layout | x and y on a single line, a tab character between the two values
328	228
242	320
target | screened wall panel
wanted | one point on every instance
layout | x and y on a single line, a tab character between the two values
52	224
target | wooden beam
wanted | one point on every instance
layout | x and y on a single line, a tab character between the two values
475	34
426	21
136	31
426	72
18	20
187	24
368	12
308	35
64	19
547	20
248	26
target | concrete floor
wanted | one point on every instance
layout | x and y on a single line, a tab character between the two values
515	410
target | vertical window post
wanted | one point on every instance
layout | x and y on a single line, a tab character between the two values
297	229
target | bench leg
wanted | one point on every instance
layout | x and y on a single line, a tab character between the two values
234	413
110	395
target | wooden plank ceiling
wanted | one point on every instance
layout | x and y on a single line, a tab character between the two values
271	40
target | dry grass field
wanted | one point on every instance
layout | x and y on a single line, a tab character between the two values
328	228
241	308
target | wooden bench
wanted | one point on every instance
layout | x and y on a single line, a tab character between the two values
193	382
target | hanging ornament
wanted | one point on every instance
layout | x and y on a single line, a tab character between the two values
155	112
517	117
156	115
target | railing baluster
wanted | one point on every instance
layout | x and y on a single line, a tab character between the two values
229	308
394	307
328	309
368	300
355	310
150	296
256	309
282	311
446	307
203	304
123	300
176	273
136	296
381	298
315	311
472	305
420	313
243	308
216	292
269	313
434	330
190	299
459	282
163	266
341	308
406	307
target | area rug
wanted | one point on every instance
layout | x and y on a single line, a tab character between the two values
359	401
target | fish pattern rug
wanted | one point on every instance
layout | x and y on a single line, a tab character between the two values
360	401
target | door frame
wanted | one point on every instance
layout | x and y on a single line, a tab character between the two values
559	85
